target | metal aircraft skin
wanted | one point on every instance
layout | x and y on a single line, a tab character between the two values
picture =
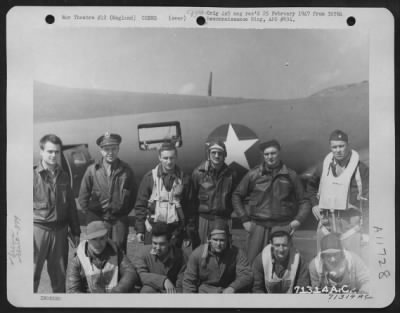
302	126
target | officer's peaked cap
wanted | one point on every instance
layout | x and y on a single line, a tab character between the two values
108	139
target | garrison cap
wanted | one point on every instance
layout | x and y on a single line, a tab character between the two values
96	229
108	139
339	136
270	143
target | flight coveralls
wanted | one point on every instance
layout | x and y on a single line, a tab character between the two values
109	198
352	222
275	198
175	190
109	272
212	193
153	271
54	209
207	272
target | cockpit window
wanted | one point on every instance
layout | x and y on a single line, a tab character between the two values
151	135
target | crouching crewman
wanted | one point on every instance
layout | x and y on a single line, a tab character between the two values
99	266
336	270
217	266
160	265
279	268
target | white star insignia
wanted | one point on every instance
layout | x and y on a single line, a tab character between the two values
236	148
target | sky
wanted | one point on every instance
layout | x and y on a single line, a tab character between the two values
260	64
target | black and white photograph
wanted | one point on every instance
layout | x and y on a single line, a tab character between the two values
213	151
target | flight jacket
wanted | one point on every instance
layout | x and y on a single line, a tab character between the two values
153	271
213	191
274	197
53	203
208	273
127	276
108	199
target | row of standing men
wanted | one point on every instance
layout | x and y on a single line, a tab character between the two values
188	205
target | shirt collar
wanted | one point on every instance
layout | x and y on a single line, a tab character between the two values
214	171
280	169
117	163
43	168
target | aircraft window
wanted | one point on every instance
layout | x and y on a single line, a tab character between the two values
153	134
78	158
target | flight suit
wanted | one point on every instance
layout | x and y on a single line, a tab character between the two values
271	277
212	193
355	216
153	271
208	273
275	197
145	206
54	209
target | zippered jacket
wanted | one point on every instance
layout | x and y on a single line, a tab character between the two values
212	193
77	278
153	271
53	203
108	198
209	273
274	197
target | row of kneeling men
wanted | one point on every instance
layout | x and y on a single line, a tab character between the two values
99	266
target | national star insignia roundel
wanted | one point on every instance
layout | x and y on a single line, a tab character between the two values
241	145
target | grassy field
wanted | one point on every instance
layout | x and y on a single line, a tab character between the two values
304	240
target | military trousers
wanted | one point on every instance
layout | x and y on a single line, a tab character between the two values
50	246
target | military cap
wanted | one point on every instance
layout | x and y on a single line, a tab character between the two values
216	144
270	143
96	229
219	226
280	230
339	136
108	139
